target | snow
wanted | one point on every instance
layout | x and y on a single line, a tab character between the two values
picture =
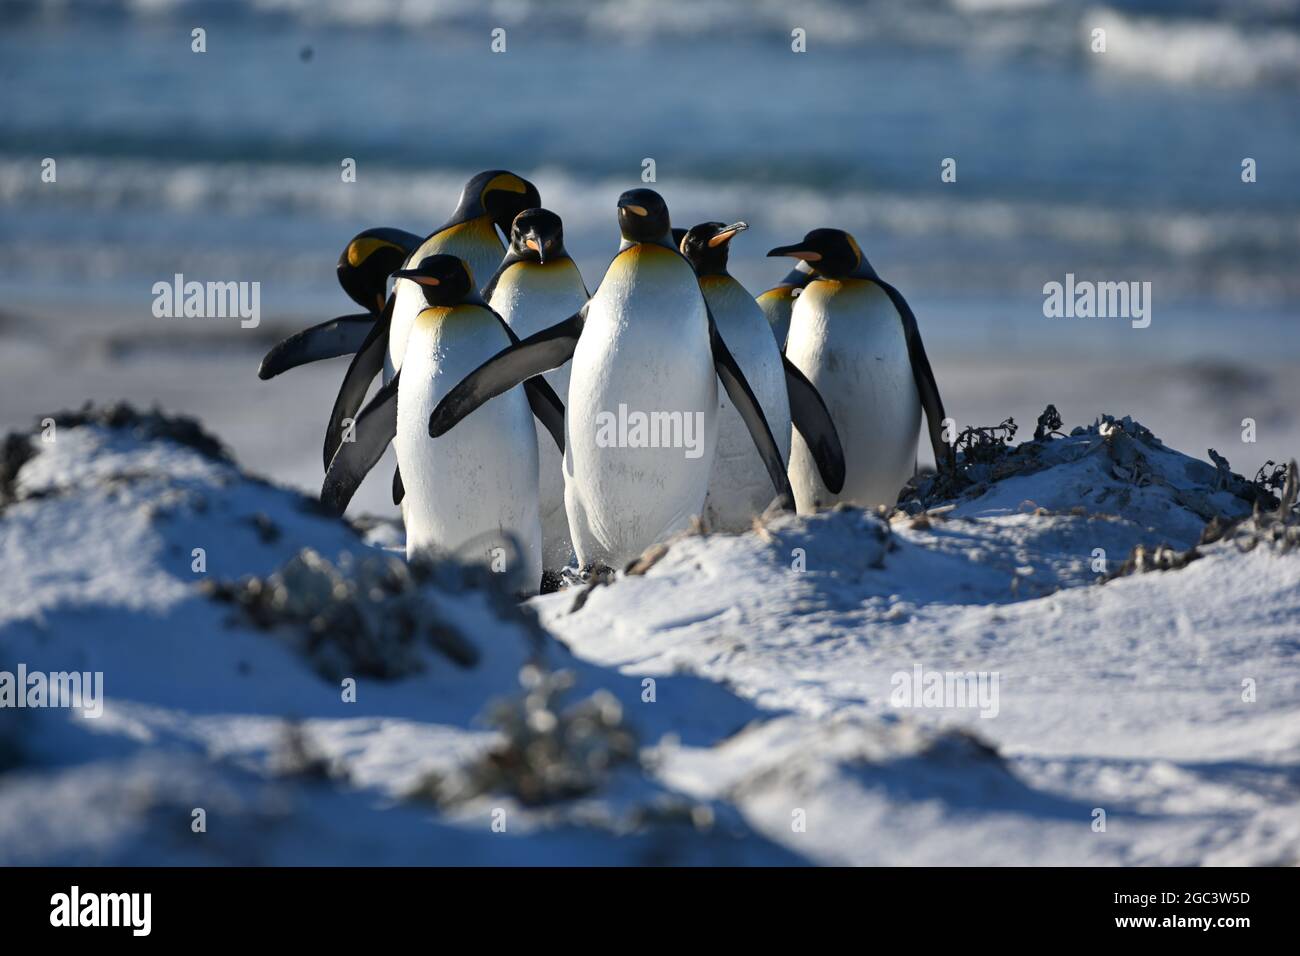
757	674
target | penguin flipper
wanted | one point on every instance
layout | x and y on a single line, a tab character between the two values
926	386
546	405
547	408
742	397
375	427
541	352
812	418
399	489
366	364
340	336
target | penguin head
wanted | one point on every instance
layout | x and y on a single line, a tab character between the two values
830	252
499	194
367	262
705	246
643	217
444	280
537	235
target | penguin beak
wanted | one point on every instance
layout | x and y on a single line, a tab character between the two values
726	234
533	243
807	255
415	276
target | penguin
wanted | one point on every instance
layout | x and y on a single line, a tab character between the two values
738	488
778	302
642	416
363	270
856	339
472	494
537	285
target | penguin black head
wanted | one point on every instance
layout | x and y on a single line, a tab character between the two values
445	280
831	252
643	217
500	194
705	246
367	262
537	235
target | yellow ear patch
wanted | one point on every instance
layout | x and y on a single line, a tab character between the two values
508	182
853	244
362	249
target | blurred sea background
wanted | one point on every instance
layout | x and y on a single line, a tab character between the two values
225	166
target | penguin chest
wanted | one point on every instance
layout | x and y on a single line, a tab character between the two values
476	486
642	412
847	338
739	486
531	297
474	242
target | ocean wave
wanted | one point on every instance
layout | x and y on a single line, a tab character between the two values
413	197
1235	42
1193	51
300	210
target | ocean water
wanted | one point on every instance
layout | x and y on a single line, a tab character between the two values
1123	165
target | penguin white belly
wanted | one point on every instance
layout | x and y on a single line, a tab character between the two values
532	297
847	338
475	242
739	486
642	375
472	492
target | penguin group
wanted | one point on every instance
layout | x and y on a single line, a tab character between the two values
544	429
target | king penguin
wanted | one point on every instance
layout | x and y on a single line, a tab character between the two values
777	302
472	494
855	338
738	487
536	286
642	416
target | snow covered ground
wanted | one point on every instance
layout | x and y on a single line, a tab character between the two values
785	696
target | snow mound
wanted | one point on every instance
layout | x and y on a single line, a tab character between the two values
1152	718
964	680
1114	467
276	690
